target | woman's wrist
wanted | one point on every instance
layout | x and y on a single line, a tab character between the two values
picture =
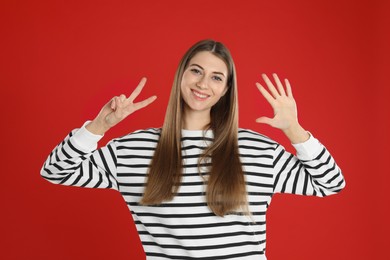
96	128
296	134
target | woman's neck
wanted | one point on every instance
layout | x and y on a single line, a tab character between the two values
196	120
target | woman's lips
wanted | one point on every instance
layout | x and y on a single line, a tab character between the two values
199	95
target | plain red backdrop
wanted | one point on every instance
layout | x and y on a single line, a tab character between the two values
61	61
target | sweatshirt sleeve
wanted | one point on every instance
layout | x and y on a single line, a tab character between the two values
313	171
77	162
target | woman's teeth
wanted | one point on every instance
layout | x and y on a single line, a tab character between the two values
199	94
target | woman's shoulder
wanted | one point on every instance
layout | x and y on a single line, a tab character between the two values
148	134
248	135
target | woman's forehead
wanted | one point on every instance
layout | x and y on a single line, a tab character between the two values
208	61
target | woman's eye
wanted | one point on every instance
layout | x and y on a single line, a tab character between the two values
195	71
217	78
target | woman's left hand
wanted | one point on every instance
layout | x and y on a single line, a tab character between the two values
282	102
285	109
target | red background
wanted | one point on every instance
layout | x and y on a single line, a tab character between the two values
62	60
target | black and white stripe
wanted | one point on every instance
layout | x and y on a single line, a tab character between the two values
185	228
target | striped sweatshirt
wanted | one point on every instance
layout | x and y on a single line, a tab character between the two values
186	228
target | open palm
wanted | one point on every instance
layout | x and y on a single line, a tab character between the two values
282	102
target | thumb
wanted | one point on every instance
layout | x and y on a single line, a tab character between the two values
264	120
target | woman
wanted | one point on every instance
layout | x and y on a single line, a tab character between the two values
199	187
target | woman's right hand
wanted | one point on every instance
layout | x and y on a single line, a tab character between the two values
117	109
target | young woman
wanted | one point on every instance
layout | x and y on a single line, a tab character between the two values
199	187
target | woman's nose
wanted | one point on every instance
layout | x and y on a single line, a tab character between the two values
202	83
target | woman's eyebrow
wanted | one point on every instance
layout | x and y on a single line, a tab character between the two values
215	72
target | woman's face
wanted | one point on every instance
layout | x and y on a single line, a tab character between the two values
203	82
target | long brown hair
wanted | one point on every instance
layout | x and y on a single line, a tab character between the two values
226	191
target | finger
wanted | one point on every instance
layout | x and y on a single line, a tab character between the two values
264	120
265	93
288	88
119	107
270	86
122	97
279	84
144	103
113	104
137	90
119	103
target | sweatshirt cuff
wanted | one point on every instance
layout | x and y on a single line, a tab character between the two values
309	149
86	140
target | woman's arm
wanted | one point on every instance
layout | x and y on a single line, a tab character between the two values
76	162
313	171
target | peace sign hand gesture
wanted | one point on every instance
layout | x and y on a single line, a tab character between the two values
285	109
117	109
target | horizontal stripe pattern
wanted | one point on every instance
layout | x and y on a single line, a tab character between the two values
185	228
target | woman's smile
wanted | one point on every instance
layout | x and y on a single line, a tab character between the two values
199	95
